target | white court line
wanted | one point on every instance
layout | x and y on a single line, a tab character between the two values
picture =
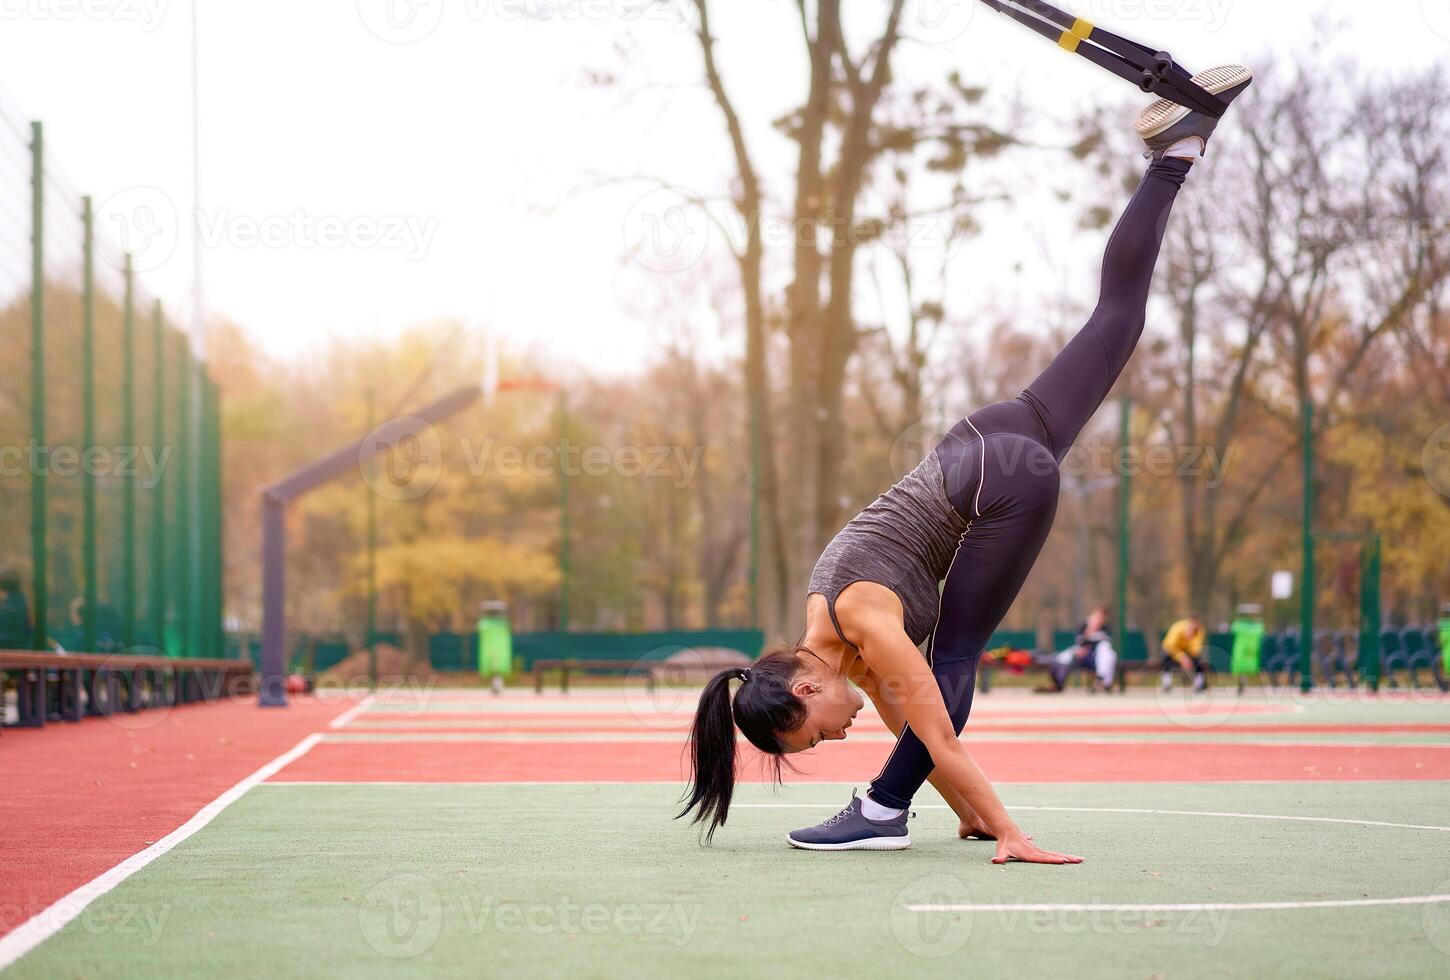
47	923
1190	907
1135	810
347	716
465	782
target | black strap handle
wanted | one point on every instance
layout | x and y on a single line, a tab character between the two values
1152	71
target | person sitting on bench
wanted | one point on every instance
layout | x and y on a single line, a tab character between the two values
1092	651
1183	648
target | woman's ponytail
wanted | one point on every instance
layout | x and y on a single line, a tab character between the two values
764	707
712	753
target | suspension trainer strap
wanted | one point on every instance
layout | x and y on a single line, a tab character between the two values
1152	71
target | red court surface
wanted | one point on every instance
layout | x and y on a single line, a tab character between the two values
526	726
78	799
423	761
640	710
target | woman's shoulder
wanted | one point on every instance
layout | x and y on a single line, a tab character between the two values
866	602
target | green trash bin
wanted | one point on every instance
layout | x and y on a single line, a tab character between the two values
495	641
1248	641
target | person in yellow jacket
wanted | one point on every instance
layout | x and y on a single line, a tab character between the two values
1183	647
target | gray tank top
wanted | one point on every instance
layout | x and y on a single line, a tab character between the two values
904	540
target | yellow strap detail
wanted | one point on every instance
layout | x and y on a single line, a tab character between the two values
1069	41
1082	28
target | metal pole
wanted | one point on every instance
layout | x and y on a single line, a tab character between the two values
563	519
1369	637
88	424
1125	489
158	492
755	469
279	495
1081	547
273	688
202	627
192	462
128	440
218	620
186	516
1306	595
372	512
38	534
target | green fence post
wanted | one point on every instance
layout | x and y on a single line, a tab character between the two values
38	558
158	491
563	522
1369	614
208	591
1125	490
219	557
1306	596
128	440
755	475
201	517
371	502
88	425
186	583
211	625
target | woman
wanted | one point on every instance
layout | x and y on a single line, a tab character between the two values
973	516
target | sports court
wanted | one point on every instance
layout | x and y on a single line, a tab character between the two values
434	830
466	464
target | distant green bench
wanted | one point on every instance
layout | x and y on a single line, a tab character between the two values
571	665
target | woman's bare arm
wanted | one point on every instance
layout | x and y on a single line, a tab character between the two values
891	713
903	677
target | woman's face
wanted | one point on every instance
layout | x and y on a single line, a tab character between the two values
831	705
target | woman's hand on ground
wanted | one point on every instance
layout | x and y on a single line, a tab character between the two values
1019	847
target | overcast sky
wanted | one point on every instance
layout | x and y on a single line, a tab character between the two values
368	164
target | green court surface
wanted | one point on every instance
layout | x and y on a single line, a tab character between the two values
595	881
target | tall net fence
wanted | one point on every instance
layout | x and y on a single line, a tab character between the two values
110	521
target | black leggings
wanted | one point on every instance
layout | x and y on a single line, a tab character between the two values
1001	469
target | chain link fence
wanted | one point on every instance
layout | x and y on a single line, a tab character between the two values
110	520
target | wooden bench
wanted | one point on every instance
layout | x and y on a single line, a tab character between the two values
116	682
696	665
566	666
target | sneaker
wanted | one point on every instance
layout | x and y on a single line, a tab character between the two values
849	830
1165	683
1165	122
